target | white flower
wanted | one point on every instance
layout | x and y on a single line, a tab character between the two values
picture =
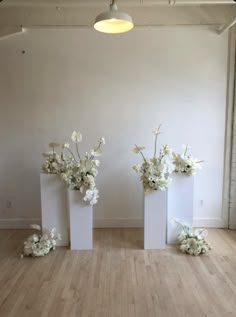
76	137
138	149
91	196
168	150
66	145
183	248
157	131
40	245
136	168
78	173
97	152
189	240
97	162
101	140
36	227
185	163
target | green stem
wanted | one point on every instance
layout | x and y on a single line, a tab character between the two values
77	149
72	155
141	154
155	148
186	149
156	134
97	148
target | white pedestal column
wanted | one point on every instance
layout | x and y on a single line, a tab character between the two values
180	205
81	221
155	208
54	206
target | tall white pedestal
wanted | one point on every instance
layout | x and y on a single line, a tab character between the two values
180	205
81	221
155	209
54	206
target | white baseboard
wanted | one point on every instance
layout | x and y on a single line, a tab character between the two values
118	223
208	222
232	225
21	223
138	223
24	223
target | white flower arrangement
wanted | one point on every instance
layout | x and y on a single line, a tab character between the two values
191	241
155	171
40	244
55	163
185	163
81	174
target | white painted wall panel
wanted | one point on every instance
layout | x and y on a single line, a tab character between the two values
120	87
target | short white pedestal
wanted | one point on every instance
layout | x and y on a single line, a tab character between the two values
81	221
54	207
155	208
180	205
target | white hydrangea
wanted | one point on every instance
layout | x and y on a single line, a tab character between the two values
91	196
55	163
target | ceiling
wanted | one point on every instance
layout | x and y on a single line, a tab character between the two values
65	3
73	13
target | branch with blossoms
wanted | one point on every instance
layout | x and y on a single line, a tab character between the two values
79	172
76	137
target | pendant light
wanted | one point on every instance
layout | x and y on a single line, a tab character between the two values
113	21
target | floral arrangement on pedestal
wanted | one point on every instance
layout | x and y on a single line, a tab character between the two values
155	171
81	173
191	241
40	244
55	163
185	163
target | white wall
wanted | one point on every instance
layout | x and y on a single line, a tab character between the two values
120	87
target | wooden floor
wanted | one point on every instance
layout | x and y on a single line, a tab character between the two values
118	278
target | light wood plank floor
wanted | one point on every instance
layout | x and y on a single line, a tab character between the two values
118	278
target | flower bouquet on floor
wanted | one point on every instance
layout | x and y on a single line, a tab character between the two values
185	163
155	171
191	241
40	244
81	173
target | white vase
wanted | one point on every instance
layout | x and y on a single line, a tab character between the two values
81	221
54	206
180	205
155	208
